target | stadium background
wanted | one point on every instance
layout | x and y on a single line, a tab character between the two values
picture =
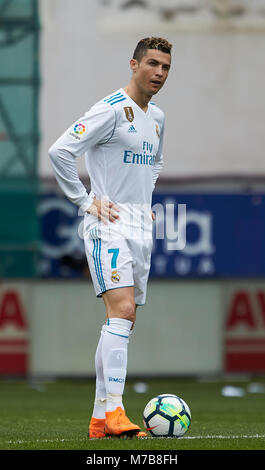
205	310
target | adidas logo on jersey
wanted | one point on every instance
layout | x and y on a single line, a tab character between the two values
132	129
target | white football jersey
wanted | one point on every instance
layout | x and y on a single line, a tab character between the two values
123	152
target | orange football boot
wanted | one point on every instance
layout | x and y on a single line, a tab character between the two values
96	428
117	424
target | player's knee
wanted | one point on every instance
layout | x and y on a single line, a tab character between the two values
127	310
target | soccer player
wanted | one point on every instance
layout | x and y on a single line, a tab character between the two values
122	138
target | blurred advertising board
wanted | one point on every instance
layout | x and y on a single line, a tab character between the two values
14	329
194	236
244	328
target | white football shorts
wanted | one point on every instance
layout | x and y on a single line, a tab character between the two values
115	261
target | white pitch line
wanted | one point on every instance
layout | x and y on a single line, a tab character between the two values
254	436
244	436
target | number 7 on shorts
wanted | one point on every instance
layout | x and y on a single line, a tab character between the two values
115	252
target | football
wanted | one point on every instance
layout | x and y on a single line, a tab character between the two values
167	416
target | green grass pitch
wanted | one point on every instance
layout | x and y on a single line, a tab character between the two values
56	415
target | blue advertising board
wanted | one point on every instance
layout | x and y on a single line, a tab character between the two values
221	236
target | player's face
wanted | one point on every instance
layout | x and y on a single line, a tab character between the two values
151	72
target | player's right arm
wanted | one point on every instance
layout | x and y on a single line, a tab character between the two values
95	127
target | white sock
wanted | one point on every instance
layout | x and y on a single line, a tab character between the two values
114	356
100	397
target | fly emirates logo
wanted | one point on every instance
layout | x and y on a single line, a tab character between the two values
143	158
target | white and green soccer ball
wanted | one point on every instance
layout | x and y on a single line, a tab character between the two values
167	416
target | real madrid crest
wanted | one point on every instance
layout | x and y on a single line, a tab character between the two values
129	113
157	131
115	277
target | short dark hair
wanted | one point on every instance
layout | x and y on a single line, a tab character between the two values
151	43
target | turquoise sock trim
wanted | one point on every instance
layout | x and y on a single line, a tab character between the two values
116	334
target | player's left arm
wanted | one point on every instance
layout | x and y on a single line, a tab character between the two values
158	162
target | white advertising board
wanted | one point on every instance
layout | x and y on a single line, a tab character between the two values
178	331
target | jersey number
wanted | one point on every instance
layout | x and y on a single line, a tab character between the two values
115	252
